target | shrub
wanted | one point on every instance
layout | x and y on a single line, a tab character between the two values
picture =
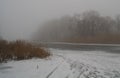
19	50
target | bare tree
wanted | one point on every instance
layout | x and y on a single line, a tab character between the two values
92	23
118	23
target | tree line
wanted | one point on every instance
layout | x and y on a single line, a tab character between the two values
89	24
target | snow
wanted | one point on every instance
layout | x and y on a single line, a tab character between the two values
65	64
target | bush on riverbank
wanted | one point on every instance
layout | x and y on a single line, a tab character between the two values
19	50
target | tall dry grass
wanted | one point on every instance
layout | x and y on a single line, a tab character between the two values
100	39
19	50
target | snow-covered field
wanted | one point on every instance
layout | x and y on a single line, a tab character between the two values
65	64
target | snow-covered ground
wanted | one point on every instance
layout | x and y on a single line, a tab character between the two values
65	64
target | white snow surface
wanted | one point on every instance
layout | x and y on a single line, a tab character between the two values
65	64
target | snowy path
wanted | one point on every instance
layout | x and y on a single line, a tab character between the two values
65	64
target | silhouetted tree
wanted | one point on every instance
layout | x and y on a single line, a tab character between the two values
118	23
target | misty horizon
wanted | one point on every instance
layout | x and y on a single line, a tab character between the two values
20	19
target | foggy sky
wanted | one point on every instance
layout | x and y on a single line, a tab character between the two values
19	19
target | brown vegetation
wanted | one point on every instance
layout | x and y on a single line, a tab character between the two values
100	39
19	50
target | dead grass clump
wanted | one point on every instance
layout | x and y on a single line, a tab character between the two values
19	50
100	39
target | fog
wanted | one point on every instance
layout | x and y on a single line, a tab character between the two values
19	19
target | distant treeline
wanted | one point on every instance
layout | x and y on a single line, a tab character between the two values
88	27
0	38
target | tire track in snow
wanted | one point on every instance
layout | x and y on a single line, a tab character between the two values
80	69
52	72
88	71
48	76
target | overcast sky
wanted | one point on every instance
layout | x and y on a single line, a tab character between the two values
20	18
